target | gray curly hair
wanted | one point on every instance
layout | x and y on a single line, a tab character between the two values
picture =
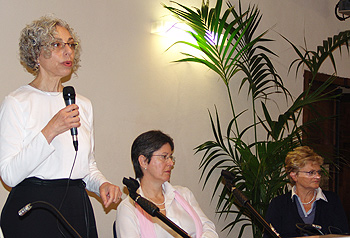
36	38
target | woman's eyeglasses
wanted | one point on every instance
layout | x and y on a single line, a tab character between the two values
59	45
165	158
312	173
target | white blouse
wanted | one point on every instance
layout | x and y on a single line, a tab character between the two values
24	151
127	223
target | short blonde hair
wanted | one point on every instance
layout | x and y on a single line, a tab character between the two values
36	38
298	158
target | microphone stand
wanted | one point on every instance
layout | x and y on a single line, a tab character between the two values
150	207
243	200
29	206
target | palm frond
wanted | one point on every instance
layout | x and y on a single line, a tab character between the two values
314	59
239	47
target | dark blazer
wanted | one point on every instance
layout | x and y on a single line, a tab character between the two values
283	214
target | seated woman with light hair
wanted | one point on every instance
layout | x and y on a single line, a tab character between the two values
306	205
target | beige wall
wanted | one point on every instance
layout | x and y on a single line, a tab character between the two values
134	87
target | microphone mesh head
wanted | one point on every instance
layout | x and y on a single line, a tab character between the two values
68	93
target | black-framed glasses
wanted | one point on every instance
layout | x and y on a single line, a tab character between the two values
312	173
165	158
59	45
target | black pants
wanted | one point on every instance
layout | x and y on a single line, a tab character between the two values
41	221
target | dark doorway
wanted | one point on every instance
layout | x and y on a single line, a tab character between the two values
331	137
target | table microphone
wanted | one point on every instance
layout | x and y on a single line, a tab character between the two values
50	207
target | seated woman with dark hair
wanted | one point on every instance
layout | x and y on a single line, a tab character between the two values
153	161
307	206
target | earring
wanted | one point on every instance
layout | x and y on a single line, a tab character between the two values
145	168
37	66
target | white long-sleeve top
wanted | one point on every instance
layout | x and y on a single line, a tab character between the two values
127	223
25	152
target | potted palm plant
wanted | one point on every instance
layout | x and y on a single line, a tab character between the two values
258	164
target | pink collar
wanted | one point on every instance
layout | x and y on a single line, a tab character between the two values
147	227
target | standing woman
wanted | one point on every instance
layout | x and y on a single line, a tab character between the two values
37	158
306	205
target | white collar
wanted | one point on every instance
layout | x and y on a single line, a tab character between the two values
167	188
319	195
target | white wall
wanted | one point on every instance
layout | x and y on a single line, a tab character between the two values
134	87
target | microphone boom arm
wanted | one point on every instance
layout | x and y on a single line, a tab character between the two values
150	207
243	200
35	204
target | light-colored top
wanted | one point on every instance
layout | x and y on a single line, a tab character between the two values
319	195
127	223
24	151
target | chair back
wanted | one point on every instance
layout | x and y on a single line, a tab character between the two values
114	231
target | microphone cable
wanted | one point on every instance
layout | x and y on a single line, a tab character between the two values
310	229
69	98
29	206
84	200
334	230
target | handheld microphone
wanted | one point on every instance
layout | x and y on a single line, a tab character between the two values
69	99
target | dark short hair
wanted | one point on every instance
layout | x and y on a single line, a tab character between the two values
146	144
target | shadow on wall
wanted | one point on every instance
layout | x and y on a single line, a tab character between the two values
113	206
5	186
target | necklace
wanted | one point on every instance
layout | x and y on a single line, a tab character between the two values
157	204
34	85
306	203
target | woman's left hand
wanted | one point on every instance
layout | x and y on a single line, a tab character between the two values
109	193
